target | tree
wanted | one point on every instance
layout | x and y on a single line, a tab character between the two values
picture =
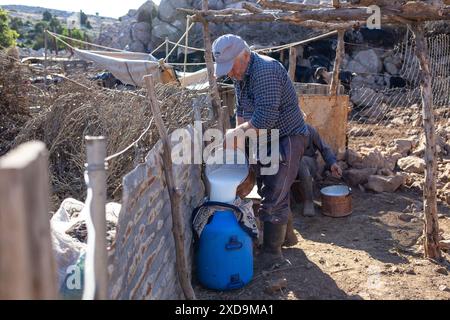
83	18
47	16
7	35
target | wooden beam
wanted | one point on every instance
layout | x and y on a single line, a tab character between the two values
431	228
174	194
335	83
96	271
213	89
292	62
27	263
323	17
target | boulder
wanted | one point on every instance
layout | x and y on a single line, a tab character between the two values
392	64
353	158
142	31
372	158
402	146
384	184
136	46
366	61
355	177
146	12
161	30
412	164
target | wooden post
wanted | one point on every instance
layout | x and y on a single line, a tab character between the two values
340	51
45	56
292	62
27	263
167	48
431	228
56	43
215	97
174	194
96	274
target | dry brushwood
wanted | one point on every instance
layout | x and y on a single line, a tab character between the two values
14	100
120	116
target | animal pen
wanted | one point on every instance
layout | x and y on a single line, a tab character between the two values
151	255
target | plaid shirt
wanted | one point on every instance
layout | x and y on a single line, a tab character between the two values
267	97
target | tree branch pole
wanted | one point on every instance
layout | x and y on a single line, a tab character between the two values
431	228
45	56
324	17
213	89
340	51
292	62
96	275
174	194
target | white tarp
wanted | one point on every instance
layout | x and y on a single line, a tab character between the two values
128	67
194	80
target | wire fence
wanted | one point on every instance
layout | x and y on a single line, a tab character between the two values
387	104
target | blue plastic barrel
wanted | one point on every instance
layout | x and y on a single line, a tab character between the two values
225	254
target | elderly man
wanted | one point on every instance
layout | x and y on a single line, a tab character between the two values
266	99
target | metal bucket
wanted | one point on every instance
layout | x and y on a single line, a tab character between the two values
336	201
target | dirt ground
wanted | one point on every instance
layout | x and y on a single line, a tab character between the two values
374	253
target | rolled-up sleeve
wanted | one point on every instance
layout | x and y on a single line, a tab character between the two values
324	149
267	96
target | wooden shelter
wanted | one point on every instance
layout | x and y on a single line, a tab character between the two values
341	16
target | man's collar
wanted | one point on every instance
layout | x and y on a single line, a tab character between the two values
250	64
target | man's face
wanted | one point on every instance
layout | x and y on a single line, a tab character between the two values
239	67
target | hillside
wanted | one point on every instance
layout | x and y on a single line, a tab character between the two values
34	15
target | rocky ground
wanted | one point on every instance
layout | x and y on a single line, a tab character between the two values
377	251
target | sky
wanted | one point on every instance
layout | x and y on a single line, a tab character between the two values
105	8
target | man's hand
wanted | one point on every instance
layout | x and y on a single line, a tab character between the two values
336	170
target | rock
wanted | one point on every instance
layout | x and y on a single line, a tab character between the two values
366	61
402	146
353	158
375	112
412	164
441	270
276	285
146	12
385	172
358	176
372	158
362	96
142	31
384	184
391	159
136	46
395	269
406	217
410	270
162	30
443	287
392	64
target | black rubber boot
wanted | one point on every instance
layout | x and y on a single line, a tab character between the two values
290	239
274	235
308	197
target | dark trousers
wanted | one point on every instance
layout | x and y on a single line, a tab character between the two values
275	189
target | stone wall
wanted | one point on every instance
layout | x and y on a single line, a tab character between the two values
142	260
